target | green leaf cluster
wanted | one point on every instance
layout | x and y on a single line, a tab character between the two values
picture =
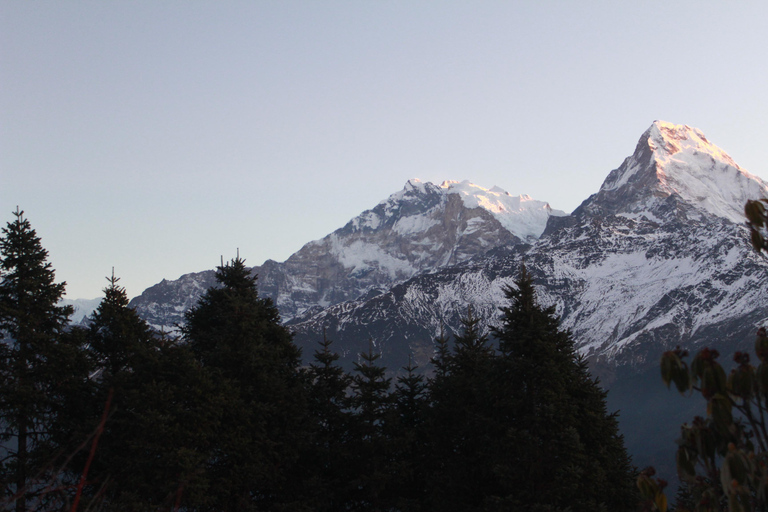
721	458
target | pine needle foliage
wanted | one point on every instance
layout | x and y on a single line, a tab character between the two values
326	462
158	426
461	422
372	406
411	458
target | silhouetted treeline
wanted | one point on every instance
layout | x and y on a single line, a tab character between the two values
224	416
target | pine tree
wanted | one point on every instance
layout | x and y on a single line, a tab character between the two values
147	449
562	450
328	456
523	427
441	358
460	423
237	338
371	402
410	397
159	442
37	363
118	338
409	440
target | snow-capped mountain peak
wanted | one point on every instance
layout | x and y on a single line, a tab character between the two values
521	215
659	256
666	139
413	188
678	160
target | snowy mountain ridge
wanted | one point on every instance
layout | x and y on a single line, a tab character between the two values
658	256
82	308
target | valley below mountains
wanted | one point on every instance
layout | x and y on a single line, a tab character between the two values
658	257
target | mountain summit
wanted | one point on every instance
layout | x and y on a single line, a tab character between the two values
522	216
673	166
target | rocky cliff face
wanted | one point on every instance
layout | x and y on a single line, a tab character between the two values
419	229
163	305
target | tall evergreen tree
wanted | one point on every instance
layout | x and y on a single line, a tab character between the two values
410	460
118	338
461	422
36	362
410	397
151	442
371	401
441	359
239	341
157	445
523	427
562	449
327	460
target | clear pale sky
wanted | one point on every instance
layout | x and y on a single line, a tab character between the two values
157	136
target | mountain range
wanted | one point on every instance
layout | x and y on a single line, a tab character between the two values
658	257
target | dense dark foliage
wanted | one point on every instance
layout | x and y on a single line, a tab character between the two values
567	451
260	395
119	417
524	427
159	418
